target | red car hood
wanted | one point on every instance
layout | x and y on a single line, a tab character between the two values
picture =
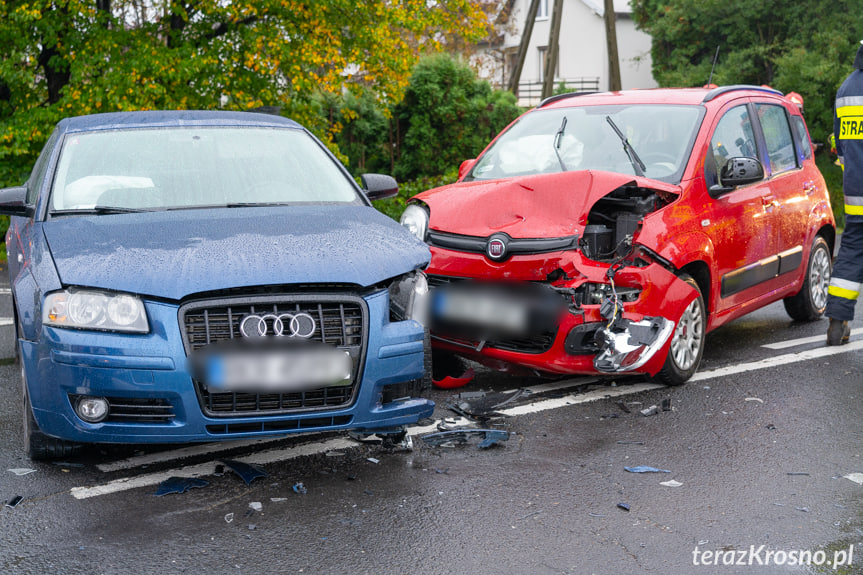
542	206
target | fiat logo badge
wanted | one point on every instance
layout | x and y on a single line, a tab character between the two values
496	248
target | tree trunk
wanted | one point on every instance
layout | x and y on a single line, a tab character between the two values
611	41
523	45
553	49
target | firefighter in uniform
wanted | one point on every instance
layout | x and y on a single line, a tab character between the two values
848	270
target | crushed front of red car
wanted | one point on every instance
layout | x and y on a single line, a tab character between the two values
528	281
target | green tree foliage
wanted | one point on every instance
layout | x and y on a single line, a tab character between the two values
70	57
806	46
447	116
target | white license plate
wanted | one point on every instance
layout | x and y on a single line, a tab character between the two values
279	370
483	310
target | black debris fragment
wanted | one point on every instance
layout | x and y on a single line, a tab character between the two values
623	407
486	405
13	503
624	506
452	437
246	471
666	404
180	485
630	443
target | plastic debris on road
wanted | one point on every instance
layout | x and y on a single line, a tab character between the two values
671	483
256	506
645	469
19	471
247	472
453	437
758	399
180	485
300	489
855	477
229	517
624	506
652	410
13	503
450	382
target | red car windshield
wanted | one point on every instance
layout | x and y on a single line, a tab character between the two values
583	138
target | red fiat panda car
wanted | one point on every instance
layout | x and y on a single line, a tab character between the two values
605	233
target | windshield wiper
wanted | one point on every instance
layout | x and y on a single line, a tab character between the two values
99	210
558	136
636	162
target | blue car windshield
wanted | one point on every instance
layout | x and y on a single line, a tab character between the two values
188	167
582	138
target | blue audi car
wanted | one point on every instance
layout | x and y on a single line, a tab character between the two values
196	276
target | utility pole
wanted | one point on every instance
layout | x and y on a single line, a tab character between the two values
551	52
611	41
522	47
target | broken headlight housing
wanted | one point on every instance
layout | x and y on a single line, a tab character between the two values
596	293
409	298
95	309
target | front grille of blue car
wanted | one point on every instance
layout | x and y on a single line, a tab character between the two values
340	321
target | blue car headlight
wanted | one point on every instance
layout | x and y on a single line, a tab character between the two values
95	309
409	297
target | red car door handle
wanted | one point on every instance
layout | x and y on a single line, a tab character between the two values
768	201
810	188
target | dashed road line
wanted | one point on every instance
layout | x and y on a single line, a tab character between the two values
778	360
805	340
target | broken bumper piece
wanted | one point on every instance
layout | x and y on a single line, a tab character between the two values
627	345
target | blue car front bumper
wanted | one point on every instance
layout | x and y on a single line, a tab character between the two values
153	397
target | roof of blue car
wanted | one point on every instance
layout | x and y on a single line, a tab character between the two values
171	118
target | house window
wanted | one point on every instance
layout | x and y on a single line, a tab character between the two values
540	52
542	11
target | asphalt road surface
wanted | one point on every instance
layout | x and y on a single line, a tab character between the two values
763	451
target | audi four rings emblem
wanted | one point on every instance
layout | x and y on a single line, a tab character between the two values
282	325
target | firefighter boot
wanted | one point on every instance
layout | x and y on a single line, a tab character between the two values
838	333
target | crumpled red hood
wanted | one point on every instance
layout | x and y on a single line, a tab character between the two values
542	206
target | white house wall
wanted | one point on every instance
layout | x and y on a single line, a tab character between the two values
583	51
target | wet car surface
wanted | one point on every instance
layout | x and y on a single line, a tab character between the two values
650	217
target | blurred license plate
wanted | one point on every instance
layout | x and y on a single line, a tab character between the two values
278	370
473	307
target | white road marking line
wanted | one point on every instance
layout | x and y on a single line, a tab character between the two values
805	340
182	453
202	469
270	456
6	321
778	360
573	399
5	290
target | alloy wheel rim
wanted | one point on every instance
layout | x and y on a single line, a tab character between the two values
687	336
819	279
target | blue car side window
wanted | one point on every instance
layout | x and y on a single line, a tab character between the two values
40	170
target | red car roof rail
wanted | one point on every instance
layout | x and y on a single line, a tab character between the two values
557	97
716	92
